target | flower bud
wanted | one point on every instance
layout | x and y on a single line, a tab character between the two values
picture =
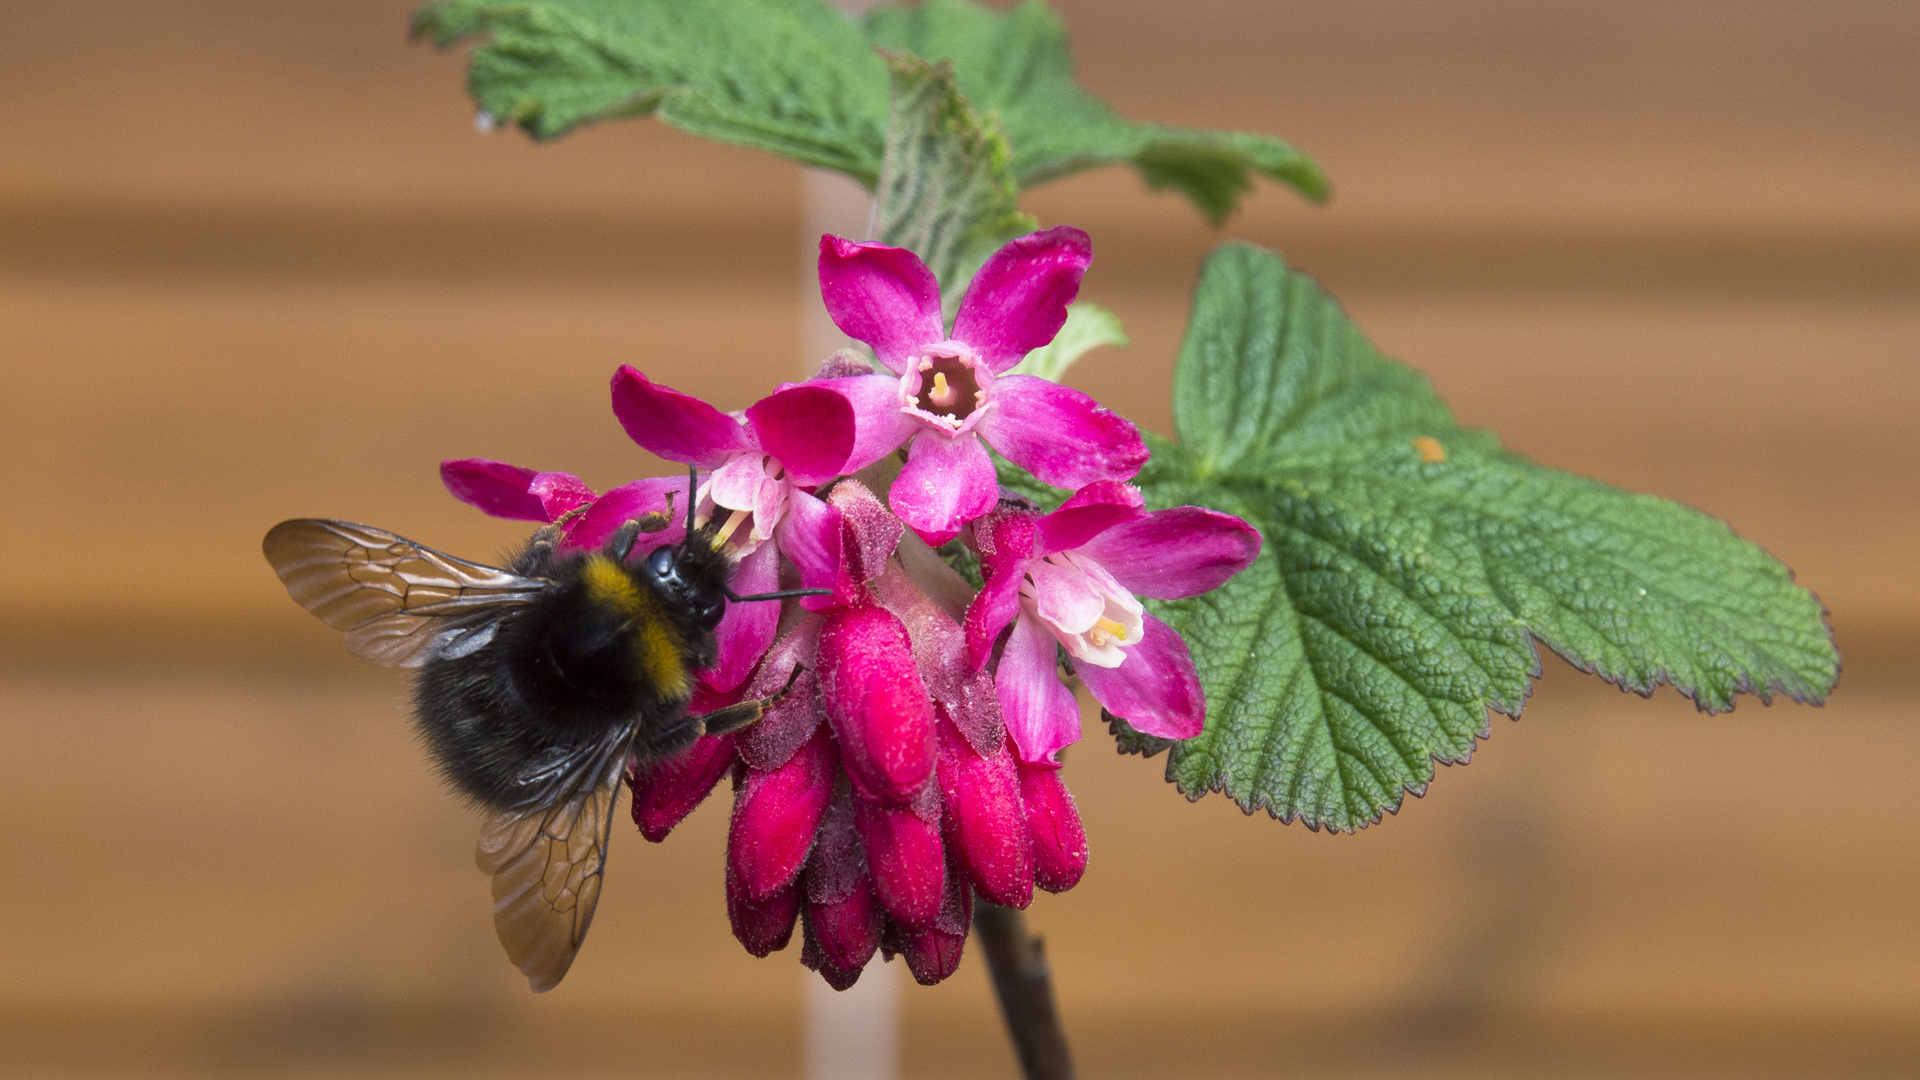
667	790
1059	843
907	860
877	704
775	815
813	958
843	915
933	953
986	824
843	935
763	926
869	534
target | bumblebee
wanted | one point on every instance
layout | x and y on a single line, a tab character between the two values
536	683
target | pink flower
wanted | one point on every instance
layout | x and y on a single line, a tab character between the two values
1072	579
762	462
948	393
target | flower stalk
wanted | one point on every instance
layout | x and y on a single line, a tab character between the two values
1023	984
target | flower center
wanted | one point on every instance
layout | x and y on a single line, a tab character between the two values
946	389
1093	616
750	489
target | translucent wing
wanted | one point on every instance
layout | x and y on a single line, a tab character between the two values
546	863
400	603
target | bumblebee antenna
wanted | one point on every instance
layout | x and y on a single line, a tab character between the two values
693	487
785	594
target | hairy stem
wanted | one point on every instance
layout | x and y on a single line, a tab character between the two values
1024	984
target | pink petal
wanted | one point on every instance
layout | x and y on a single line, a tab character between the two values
560	492
909	863
1155	689
762	926
809	428
879	427
1040	712
1091	511
673	425
627	503
876	703
1059	840
884	296
986	823
497	488
746	630
1065	598
666	791
947	482
1176	553
774	818
1018	300
1006	541
809	536
736	485
1059	434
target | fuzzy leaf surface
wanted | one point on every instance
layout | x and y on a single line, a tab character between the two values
801	79
946	188
1410	565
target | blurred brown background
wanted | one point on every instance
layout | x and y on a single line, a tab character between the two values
255	263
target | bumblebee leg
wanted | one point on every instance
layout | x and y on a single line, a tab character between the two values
623	539
735	717
539	552
745	713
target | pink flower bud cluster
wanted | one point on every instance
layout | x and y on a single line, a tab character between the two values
883	790
912	761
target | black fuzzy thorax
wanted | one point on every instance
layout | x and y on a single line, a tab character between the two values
565	673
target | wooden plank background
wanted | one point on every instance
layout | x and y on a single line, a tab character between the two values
255	263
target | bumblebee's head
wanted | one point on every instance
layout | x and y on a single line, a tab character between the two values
688	583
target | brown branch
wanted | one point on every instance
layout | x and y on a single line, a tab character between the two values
1024	984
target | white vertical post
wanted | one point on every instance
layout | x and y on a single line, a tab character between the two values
852	1034
830	203
855	1034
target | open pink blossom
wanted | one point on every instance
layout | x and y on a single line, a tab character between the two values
762	462
946	394
1072	579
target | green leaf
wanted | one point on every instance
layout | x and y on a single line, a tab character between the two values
1272	368
1017	63
1410	565
1088	327
946	188
799	78
794	77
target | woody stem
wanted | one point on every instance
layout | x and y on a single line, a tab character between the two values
1023	983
